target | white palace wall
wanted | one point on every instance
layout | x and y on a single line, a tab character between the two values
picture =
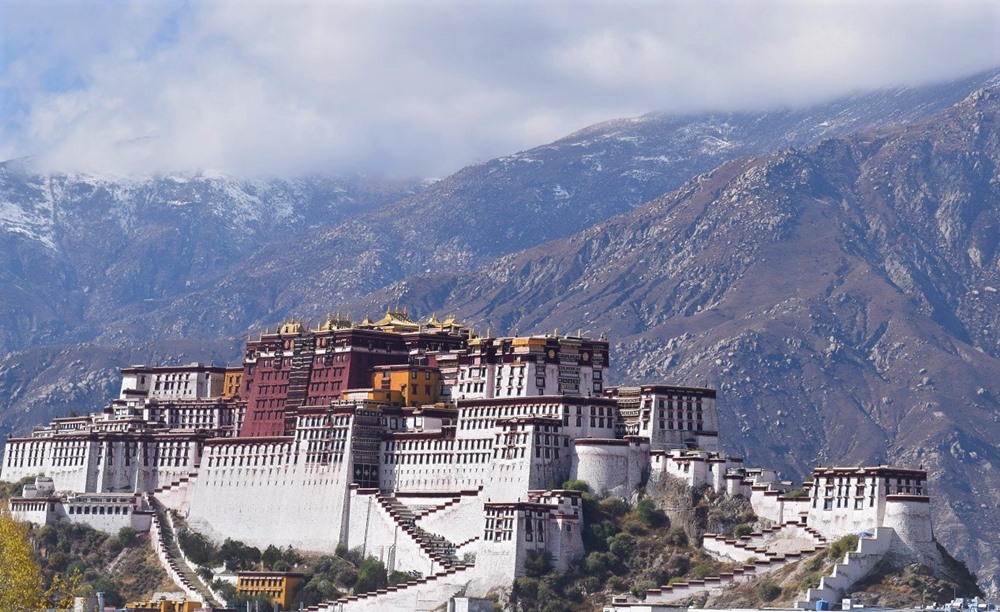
261	493
122	467
67	462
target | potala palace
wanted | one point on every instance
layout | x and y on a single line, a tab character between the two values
432	449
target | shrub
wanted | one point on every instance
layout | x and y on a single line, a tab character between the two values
679	564
526	588
617	584
649	514
596	535
205	574
810	581
677	537
599	564
347	577
398	577
538	563
613	507
47	536
621	545
742	530
576	485
57	561
291	556
842	546
796	493
659	575
371	577
767	591
225	589
591	508
639	588
701	570
354	556
591	584
196	547
113	545
237	555
126	536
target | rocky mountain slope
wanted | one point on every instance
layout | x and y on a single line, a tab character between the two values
77	249
844	298
516	202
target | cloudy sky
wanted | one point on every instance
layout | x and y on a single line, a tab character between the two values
424	88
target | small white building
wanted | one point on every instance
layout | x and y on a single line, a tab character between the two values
39	504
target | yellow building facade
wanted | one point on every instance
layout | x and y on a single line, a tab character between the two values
407	385
279	586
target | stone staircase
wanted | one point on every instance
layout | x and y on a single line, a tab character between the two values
855	566
768	543
427	593
176	484
169	553
437	547
759	546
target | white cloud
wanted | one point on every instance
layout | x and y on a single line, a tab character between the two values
424	88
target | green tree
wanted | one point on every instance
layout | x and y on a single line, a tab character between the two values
371	577
291	556
270	556
621	545
20	576
238	556
576	485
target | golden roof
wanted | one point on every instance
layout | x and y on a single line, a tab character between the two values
290	326
396	318
335	322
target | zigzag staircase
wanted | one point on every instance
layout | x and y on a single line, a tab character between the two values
375	600
764	543
869	552
754	545
438	548
176	484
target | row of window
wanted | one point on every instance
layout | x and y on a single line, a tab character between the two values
99	510
436	459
